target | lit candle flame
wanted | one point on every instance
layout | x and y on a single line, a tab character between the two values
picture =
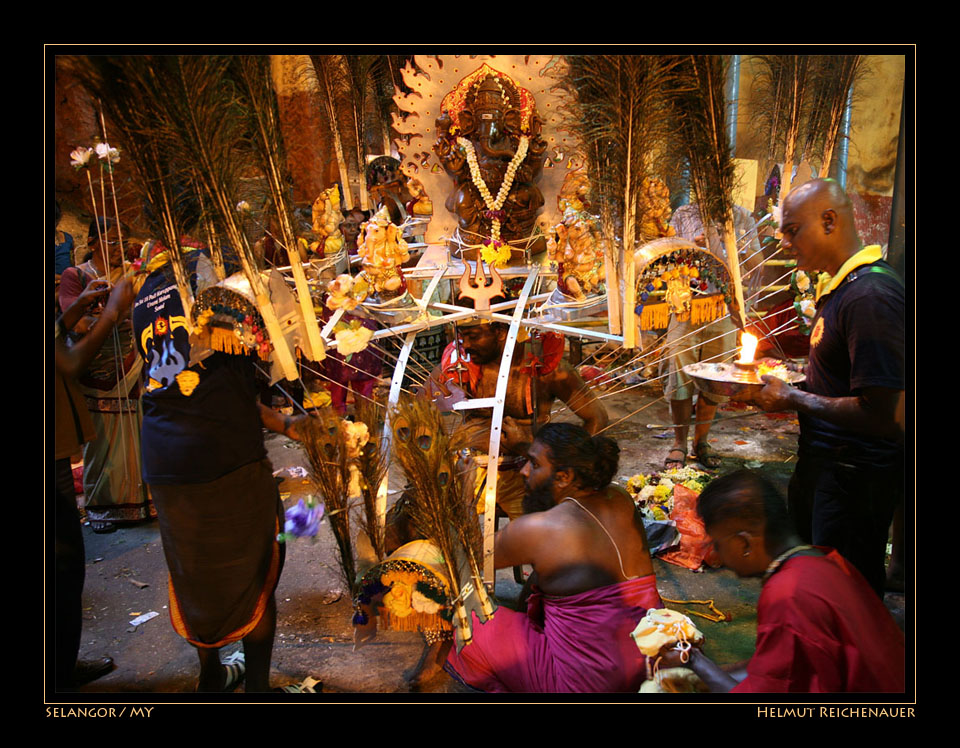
748	347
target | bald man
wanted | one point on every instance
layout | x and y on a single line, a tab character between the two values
849	474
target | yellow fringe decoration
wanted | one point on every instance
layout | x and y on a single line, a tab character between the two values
707	309
416	621
655	316
226	341
702	309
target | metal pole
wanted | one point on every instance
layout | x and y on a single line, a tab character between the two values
733	96
844	141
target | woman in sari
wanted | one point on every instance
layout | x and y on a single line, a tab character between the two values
111	461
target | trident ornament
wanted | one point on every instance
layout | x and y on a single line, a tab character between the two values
479	290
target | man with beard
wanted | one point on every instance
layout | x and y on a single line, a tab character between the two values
585	541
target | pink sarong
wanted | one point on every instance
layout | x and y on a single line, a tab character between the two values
579	644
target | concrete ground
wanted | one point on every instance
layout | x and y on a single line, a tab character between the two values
127	578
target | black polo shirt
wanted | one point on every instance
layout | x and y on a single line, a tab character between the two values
857	341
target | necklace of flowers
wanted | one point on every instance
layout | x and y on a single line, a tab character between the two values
494	206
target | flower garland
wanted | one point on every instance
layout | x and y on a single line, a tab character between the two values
494	206
352	338
803	284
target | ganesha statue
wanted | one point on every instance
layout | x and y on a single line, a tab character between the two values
575	192
577	249
489	142
383	251
326	222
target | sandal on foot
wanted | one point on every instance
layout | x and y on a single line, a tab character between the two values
102	527
307	685
706	456
672	462
236	667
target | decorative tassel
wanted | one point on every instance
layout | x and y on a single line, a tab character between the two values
414	622
655	316
707	309
703	309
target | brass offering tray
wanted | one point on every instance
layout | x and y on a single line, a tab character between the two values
731	380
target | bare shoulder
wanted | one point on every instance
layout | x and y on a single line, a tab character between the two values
564	381
618	493
530	538
563	373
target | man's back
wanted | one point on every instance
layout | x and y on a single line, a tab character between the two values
581	544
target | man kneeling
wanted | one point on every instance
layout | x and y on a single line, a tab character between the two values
585	541
820	627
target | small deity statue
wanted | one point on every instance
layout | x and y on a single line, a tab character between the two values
326	222
489	142
383	251
345	292
654	221
421	204
574	192
579	253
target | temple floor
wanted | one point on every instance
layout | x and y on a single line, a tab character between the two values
126	576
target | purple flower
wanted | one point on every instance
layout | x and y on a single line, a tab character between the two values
303	520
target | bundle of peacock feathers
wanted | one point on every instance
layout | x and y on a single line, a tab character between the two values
190	116
325	444
442	510
798	103
259	112
618	110
780	107
699	111
333	84
832	79
372	466
126	90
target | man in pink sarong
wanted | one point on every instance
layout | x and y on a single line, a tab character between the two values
594	578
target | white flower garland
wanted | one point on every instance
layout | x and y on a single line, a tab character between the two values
505	186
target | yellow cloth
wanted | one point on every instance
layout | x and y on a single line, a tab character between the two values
663	627
866	256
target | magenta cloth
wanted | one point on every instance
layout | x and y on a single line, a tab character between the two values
579	643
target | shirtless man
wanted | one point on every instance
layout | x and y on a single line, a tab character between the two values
481	348
586	543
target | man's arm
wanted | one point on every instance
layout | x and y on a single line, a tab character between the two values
717	680
876	411
566	384
516	543
74	312
287	425
73	361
